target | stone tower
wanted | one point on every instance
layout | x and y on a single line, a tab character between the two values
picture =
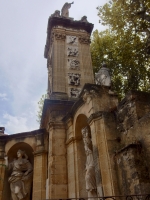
88	145
68	56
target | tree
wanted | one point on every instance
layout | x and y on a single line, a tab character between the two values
40	105
122	46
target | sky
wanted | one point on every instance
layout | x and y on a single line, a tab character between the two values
23	68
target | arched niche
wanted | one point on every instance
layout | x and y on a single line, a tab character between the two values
80	123
12	154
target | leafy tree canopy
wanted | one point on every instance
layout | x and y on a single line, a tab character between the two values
123	45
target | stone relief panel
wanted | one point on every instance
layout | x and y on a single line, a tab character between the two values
74	79
72	51
74	64
73	40
74	92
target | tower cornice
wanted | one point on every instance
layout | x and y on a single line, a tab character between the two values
67	23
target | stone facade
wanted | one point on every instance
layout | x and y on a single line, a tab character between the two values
116	149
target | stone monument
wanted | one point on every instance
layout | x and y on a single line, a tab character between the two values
90	170
21	177
65	9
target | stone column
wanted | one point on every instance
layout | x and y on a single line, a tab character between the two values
105	142
57	163
40	169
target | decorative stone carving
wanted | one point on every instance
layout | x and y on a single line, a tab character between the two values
103	76
21	177
72	51
49	72
84	40
88	95
90	170
74	79
60	36
65	9
84	19
74	64
74	92
72	40
56	14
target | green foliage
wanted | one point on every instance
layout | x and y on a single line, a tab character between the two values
40	104
122	47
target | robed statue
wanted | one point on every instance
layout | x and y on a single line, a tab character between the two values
90	170
65	9
20	179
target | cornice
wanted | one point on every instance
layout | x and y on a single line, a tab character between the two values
67	23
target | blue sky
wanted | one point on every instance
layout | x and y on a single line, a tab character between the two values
23	69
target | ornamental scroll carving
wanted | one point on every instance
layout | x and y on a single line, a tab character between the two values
88	95
84	40
60	36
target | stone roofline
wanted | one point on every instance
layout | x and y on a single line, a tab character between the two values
67	23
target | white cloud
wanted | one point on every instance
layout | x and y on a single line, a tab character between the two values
3	96
18	124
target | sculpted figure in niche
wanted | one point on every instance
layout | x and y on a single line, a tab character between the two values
21	177
65	9
90	171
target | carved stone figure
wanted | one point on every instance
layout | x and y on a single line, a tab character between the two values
56	14
65	9
103	76
72	51
84	19
72	40
74	79
21	177
90	170
74	92
74	64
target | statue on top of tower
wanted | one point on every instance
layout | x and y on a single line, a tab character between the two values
65	9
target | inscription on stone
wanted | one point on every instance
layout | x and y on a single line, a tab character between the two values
74	92
73	40
74	79
74	64
72	51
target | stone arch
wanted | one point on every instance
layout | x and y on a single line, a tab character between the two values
81	122
12	154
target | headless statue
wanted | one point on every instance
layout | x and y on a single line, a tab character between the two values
65	9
